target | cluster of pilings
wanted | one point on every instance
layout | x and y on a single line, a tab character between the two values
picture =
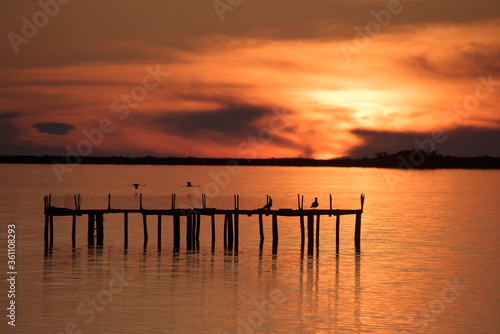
95	234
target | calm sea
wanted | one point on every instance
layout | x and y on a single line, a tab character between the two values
429	260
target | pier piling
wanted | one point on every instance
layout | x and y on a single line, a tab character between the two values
310	233
159	232
90	230
275	233
177	232
337	233
261	228
125	230
230	235
51	222
145	227
99	219
317	231
212	220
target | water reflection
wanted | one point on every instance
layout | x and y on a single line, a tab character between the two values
317	293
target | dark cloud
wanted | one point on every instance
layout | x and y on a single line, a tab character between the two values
465	141
232	121
468	61
9	115
54	128
127	30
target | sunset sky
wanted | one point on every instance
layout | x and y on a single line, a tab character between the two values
252	78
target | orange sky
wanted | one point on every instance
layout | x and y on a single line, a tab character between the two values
272	79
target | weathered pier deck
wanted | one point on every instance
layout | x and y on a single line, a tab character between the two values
95	234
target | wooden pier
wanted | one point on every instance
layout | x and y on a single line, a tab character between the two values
95	232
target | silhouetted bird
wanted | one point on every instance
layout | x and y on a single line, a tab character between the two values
136	185
315	203
189	184
268	205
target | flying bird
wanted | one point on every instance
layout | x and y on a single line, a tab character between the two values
315	203
268	205
136	185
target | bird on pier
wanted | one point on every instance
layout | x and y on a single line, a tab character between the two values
268	205
136	185
314	205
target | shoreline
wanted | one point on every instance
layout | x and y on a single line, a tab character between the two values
400	160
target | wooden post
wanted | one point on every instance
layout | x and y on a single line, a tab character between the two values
51	222
261	228
46	231
145	227
317	231
330	205
357	232
225	232
310	233
198	227
73	231
230	236
236	230
109	201
213	230
302	237
90	230
177	232
189	231
100	228
140	201
275	233
159	232
76	203
125	229
337	234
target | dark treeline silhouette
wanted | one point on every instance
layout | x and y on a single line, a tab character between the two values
407	159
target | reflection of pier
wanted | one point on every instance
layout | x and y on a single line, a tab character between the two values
193	222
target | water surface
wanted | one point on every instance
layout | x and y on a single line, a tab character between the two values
430	257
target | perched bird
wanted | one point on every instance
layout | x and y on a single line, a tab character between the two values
268	205
136	185
315	203
189	184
